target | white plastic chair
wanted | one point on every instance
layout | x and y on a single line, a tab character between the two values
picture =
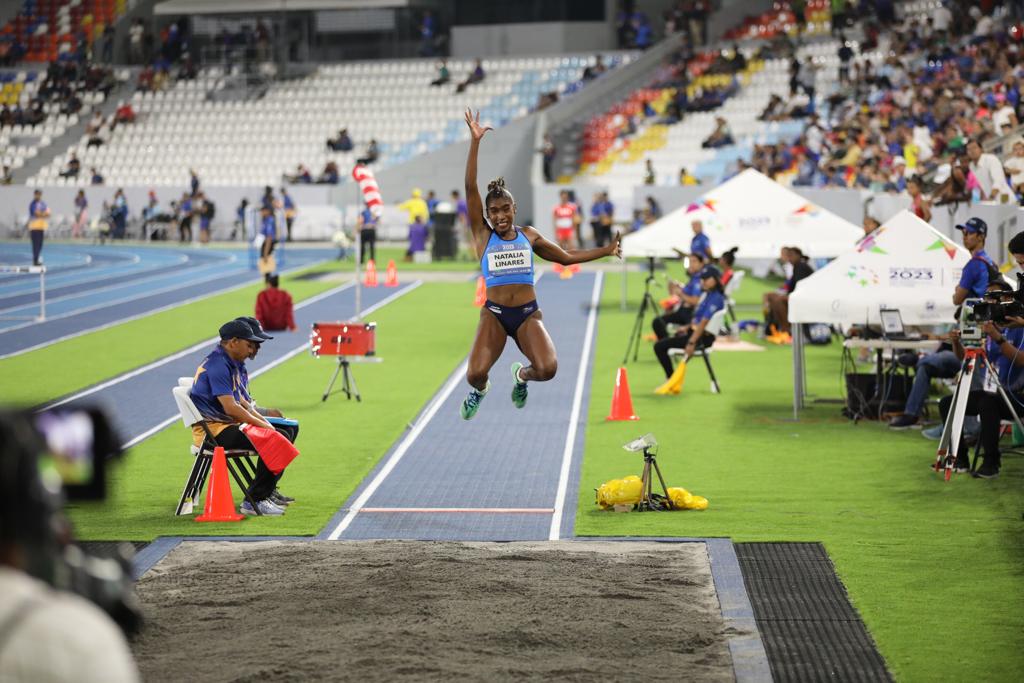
240	462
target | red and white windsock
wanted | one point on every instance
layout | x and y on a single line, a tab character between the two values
368	185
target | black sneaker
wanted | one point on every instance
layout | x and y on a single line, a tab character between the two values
905	421
962	466
986	471
280	500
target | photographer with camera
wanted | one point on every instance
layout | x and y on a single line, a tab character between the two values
48	634
943	363
1002	347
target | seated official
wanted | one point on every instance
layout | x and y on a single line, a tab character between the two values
217	394
274	308
687	296
942	364
694	335
776	304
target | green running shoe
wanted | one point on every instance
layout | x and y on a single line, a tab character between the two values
472	402
518	387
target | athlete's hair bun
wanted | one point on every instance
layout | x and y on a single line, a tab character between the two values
496	189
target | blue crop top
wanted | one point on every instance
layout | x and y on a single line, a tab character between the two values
507	262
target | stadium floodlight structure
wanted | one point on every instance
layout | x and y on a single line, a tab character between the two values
8	269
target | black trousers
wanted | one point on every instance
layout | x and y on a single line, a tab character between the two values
185	230
992	410
368	242
602	233
678	342
37	244
288	225
265	481
680	316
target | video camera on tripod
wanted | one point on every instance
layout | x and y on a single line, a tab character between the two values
1001	305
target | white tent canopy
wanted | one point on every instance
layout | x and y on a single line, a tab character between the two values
905	264
751	212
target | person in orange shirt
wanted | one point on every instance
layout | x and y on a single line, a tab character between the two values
274	307
567	217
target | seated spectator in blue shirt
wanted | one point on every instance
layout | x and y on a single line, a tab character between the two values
688	296
692	336
217	394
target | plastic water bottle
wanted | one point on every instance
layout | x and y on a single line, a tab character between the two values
975	196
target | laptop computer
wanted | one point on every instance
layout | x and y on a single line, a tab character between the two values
892	326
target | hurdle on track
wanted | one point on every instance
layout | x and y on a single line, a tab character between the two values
28	270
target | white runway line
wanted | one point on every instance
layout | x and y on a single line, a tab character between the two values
130	318
278	361
493	511
574	416
442	396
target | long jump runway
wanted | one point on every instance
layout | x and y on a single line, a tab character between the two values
140	401
505	475
90	287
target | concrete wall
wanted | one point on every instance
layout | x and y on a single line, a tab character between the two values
541	38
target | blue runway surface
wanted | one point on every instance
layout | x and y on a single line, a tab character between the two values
141	402
88	287
496	476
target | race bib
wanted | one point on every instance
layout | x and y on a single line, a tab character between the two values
509	262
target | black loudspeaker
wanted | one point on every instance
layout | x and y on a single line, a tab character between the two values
865	399
445	244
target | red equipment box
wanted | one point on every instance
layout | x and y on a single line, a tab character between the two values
343	339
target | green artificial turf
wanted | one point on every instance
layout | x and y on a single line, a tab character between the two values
86	360
936	569
340	441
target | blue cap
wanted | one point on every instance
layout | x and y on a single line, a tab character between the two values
257	329
710	271
975	225
237	329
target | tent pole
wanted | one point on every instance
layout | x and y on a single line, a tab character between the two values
798	371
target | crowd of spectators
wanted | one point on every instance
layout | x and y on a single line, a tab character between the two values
950	83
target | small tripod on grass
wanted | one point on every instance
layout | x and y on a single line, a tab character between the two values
638	325
649	500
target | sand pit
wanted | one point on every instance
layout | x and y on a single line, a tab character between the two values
381	610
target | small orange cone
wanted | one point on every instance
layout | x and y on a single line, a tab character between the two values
371	274
391	276
481	292
220	506
565	274
558	267
574	268
622	402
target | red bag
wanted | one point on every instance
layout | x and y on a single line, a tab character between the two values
274	449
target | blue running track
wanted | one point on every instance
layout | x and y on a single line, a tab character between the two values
495	477
89	287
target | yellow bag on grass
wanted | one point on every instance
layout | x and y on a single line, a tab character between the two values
620	492
684	500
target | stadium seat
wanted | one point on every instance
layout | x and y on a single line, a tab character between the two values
241	463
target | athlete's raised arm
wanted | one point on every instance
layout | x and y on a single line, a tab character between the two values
549	251
474	205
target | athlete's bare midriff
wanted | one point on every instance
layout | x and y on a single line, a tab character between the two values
512	295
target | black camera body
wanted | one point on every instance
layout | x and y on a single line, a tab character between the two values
998	307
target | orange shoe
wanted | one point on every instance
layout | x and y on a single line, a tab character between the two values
650	337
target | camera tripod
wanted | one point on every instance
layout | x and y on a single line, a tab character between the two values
348	380
638	325
952	430
648	499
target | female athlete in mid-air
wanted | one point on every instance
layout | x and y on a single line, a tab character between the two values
506	258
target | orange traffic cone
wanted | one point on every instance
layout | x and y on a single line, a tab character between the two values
371	274
622	402
558	267
220	506
574	268
481	292
391	276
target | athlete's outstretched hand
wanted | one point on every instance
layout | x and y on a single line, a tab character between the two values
475	129
615	249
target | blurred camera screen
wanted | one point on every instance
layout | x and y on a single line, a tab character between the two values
69	440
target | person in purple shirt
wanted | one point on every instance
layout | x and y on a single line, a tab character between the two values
417	237
462	216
